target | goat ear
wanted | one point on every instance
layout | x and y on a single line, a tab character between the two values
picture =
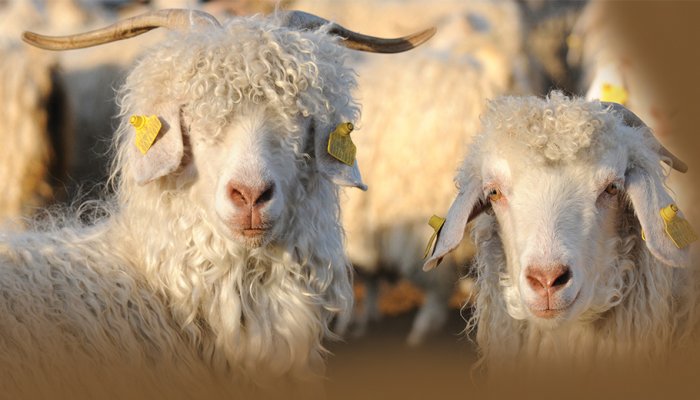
648	197
467	206
165	155
333	169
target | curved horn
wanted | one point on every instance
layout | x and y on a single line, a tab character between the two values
353	40
177	20
631	119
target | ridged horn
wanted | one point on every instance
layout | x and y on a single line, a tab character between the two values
300	20
631	119
176	20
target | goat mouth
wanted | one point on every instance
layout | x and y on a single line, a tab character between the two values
553	312
251	237
251	233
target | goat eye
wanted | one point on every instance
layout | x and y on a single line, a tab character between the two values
494	194
613	188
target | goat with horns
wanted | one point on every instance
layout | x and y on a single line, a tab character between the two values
219	262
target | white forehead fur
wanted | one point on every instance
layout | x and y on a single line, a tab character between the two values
251	60
531	132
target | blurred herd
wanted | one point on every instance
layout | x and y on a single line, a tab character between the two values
419	111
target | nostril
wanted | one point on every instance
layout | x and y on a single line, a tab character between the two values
564	278
535	283
237	197
266	195
546	278
244	196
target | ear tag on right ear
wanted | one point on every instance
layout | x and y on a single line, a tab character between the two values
436	223
614	94
340	144
678	229
147	129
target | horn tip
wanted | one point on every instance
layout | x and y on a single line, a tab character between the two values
27	37
424	36
34	40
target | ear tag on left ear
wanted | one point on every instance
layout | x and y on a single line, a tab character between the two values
340	144
678	229
614	94
435	223
147	129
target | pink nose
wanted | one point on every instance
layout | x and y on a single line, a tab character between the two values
248	201
548	279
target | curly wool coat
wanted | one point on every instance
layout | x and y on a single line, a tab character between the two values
540	174
155	297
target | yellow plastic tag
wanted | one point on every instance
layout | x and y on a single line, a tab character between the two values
436	223
340	144
147	129
613	93
678	229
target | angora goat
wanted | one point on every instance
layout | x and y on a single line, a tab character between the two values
221	258
567	190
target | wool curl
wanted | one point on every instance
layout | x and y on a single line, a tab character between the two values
555	129
255	317
251	59
642	310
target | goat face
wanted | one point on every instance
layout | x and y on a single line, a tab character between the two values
559	229
249	175
571	185
246	174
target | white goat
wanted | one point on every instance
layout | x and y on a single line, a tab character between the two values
221	258
568	188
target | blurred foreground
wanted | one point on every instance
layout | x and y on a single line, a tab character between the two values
381	366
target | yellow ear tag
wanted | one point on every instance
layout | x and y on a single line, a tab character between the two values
147	129
341	146
436	223
613	93
678	229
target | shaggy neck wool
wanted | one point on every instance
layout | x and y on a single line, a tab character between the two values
259	313
637	317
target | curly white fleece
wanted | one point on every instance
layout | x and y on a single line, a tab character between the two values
153	285
642	308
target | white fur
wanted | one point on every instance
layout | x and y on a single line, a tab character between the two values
552	160
160	290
